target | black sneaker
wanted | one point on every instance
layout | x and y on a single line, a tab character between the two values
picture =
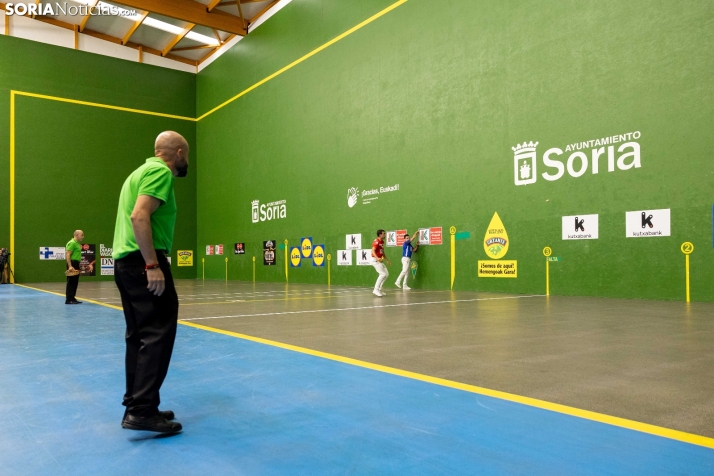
72	302
155	423
168	414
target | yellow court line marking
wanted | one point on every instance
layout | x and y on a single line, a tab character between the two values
533	402
12	184
303	58
82	298
103	106
13	93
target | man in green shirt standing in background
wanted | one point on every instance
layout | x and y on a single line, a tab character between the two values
73	255
143	237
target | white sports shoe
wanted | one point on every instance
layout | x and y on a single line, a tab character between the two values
398	285
377	293
406	288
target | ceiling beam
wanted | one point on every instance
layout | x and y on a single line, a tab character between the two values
36	2
242	18
118	41
191	12
262	12
258	15
86	17
212	5
176	39
215	50
189	48
133	28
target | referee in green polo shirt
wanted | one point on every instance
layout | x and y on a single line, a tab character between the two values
142	240
73	254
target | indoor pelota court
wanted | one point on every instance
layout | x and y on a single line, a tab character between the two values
356	237
305	379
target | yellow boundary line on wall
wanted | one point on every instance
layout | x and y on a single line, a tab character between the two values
303	58
103	106
14	93
531	402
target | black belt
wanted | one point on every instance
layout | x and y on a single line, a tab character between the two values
137	254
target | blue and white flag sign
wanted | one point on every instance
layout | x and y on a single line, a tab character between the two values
52	252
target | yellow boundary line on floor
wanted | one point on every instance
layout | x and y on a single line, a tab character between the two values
14	93
531	402
111	306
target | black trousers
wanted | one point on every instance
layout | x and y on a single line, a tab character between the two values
151	323
72	283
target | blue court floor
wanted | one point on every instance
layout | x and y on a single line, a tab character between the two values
249	408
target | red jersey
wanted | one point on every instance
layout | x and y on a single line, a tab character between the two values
378	247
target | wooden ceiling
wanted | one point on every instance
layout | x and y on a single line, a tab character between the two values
188	31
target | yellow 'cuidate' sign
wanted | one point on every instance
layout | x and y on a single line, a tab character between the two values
497	269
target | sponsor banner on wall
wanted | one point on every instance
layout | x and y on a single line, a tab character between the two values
219	249
306	246
400	237
295	256
364	257
344	257
435	236
580	227
184	258
268	211
106	260
391	238
209	249
424	236
89	260
495	241
577	159
318	255
239	249
353	242
269	253
368	195
647	223
104	251
107	266
497	269
52	252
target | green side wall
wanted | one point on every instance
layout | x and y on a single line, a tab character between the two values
434	98
71	160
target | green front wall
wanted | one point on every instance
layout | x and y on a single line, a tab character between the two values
434	98
71	160
430	97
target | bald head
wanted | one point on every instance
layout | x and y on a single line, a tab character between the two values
169	142
173	149
78	235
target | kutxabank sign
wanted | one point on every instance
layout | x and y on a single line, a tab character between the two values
583	156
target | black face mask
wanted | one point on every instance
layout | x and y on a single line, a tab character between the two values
182	171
